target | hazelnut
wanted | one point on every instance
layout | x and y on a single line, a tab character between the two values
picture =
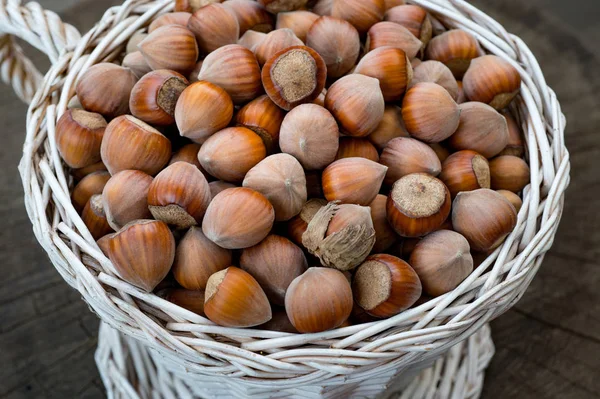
214	26
251	39
513	198
192	5
229	154
427	123
413	18
337	41
441	151
202	110
385	286
389	34
393	3
235	299
462	98
298	21
357	103
218	186
79	136
250	15
342	236
276	6
137	63
442	260
280	178
235	69
353	180
319	300
516	145
352	147
94	217
143	253
297	226
391	126
180	18
155	95
391	67
238	218
170	47
79	174
125	198
264	118
483	217
105	89
280	323
275	262
189	153
361	13
418	204
90	185
294	76
134	41
275	42
455	49
404	156
481	129
310	133
385	236
509	173
465	171
197	258
191	300
436	72
492	80
179	195
130	143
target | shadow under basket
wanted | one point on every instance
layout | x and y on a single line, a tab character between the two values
131	371
187	352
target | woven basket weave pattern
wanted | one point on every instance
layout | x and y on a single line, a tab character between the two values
195	345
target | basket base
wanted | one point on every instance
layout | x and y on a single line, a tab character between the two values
130	371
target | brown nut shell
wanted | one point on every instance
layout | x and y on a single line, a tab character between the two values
235	299
155	95
391	126
170	47
404	156
509	173
90	185
197	258
277	6
250	15
384	234
389	34
418	204
275	42
105	89
179	195
310	133
214	26
229	154
427	123
180	18
264	118
192	5
442	260
319	300
202	110
481	129
235	69
513	198
298	21
455	49
130	143
413	18
353	180
219	186
191	300
516	141
438	73
137	63
484	218
360	13
492	80
357	103
79	137
353	147
385	286
280	178
337	41
238	218
143	253
391	67
275	262
251	39
125	198
94	217
297	226
294	76
465	171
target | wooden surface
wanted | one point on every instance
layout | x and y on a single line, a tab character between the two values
548	346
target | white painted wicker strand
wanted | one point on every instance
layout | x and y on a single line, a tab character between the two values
263	359
130	371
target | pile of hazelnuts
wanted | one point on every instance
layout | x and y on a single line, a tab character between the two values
296	166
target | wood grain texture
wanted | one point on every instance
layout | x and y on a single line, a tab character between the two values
547	346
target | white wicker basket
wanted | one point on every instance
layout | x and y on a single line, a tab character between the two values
310	364
130	371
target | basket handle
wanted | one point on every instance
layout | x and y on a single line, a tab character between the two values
41	28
